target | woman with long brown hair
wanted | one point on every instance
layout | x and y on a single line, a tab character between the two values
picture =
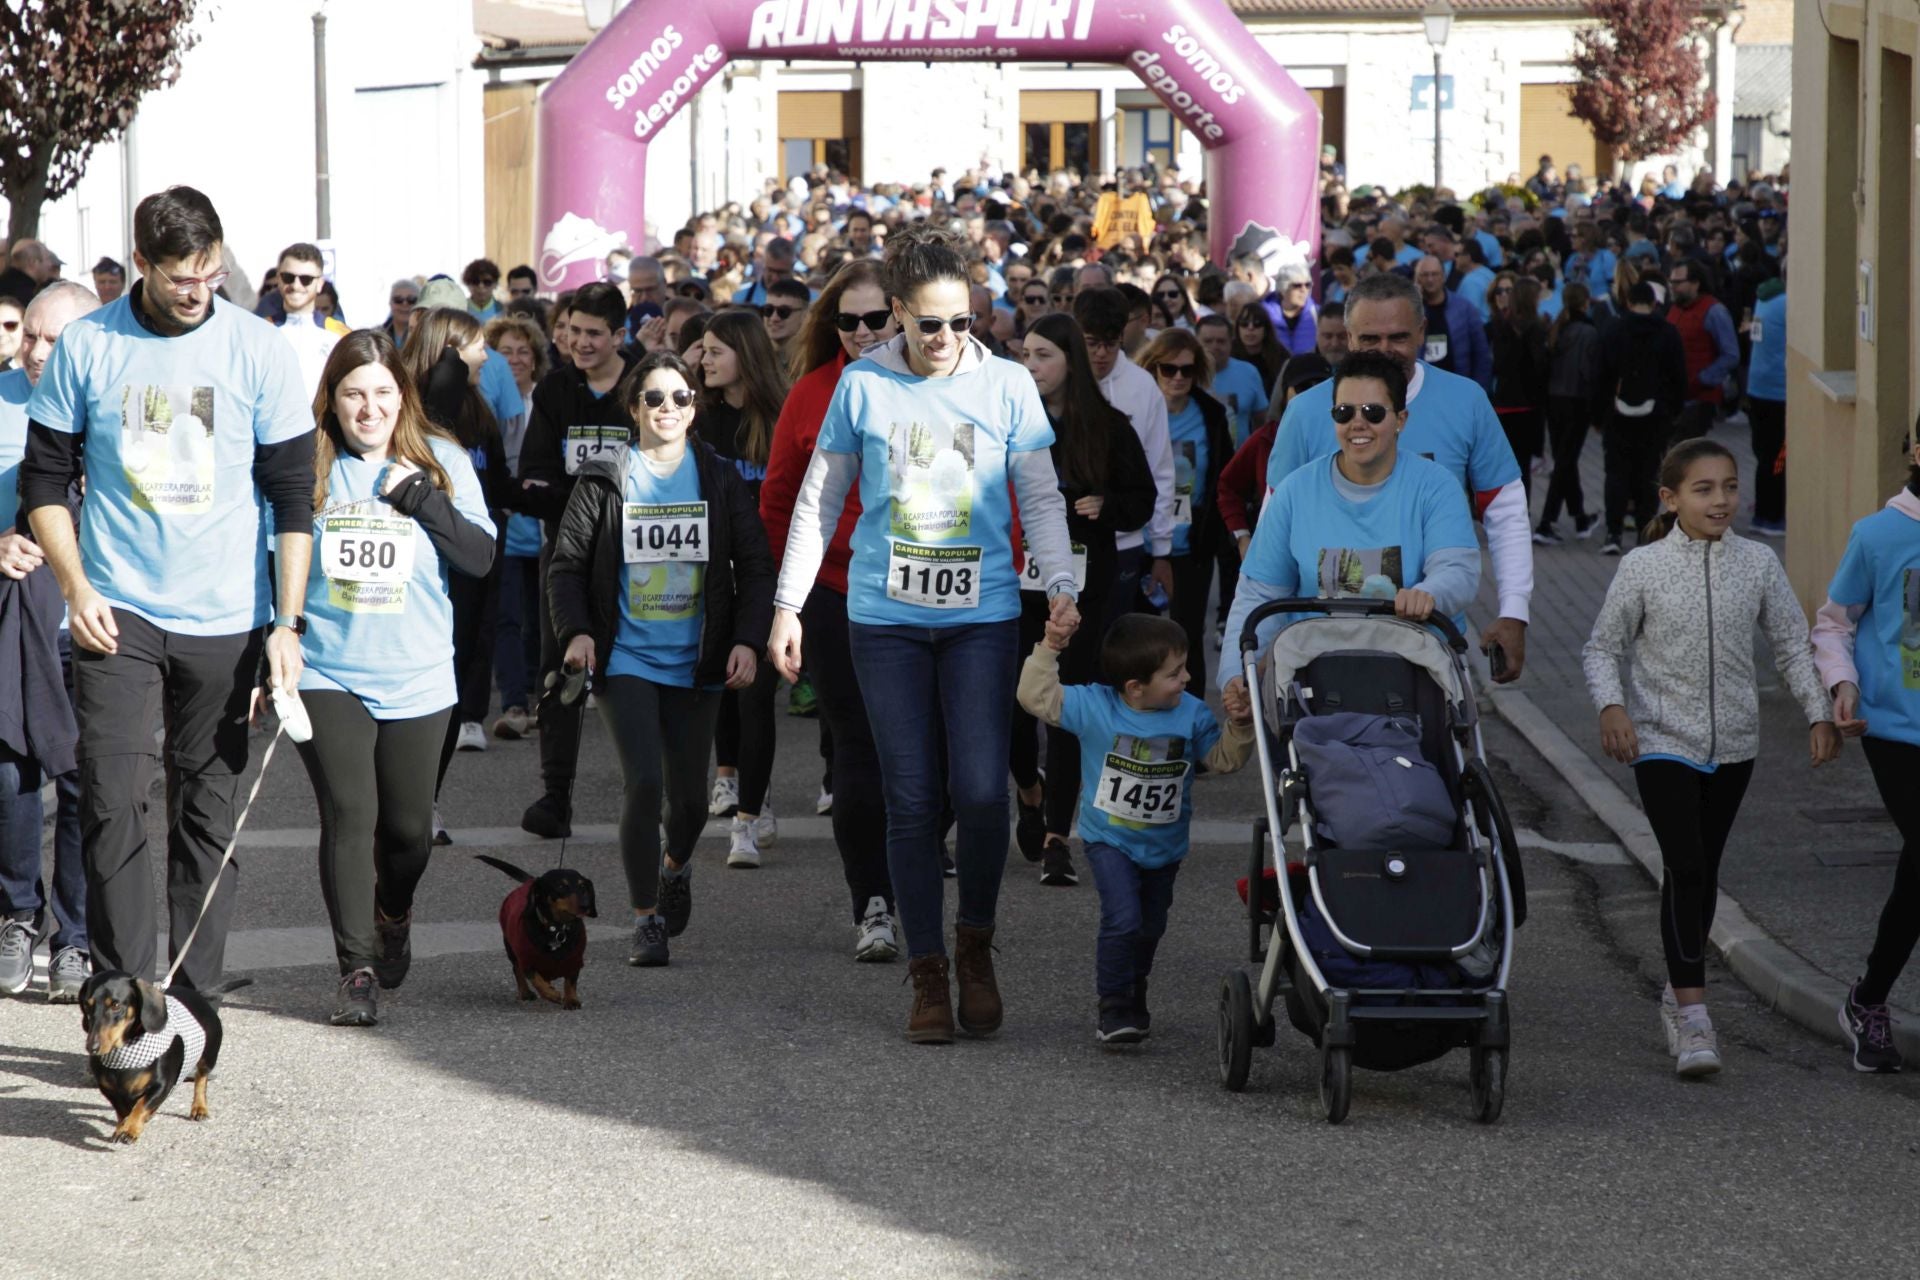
1257	342
850	318
744	391
1521	364
399	515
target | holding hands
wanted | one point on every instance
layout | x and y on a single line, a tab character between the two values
1237	701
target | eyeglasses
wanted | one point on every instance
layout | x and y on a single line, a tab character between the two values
1170	370
930	325
486	282
403	300
1035	300
183	287
1250	322
1505	288
300	278
653	398
1062	296
1374	413
1171	294
849	321
782	312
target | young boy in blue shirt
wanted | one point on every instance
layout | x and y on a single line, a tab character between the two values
1140	734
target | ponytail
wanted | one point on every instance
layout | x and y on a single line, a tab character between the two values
1673	474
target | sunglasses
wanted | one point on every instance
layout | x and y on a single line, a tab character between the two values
402	300
772	312
1035	300
1171	370
930	325
653	398
1173	294
486	282
848	321
1374	413
691	291
1062	296
300	278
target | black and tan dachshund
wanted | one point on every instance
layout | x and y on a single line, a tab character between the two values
140	1040
543	923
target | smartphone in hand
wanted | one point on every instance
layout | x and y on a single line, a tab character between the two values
1497	660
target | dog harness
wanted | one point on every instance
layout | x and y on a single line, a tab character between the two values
144	1052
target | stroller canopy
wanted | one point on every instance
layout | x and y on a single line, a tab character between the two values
1301	642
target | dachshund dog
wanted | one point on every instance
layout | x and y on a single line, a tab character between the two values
543	925
139	1041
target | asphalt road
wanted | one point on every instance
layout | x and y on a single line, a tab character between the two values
754	1111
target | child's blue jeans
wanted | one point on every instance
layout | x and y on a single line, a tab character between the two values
1133	917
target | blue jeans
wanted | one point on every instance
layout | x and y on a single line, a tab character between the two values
1133	917
516	637
22	816
921	684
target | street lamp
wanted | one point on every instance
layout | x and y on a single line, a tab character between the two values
1438	19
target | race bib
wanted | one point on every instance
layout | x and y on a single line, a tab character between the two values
1182	507
670	531
368	561
1435	352
1030	576
1757	331
584	444
1142	791
936	577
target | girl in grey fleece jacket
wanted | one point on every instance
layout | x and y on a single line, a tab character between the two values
1688	716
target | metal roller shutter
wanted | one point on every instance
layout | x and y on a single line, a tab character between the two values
1548	127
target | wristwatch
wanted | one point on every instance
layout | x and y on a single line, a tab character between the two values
294	622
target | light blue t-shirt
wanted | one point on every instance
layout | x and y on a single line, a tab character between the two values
1881	571
1136	770
1449	419
1490	244
1767	377
1187	430
374	628
1474	286
1313	541
15	391
173	528
1238	388
933	546
661	601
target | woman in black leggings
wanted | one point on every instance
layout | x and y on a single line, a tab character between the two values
399	514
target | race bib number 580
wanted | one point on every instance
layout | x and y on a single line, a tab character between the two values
1146	791
935	577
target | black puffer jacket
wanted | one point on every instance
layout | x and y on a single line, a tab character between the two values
583	584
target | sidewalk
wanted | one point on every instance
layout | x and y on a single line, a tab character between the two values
1812	857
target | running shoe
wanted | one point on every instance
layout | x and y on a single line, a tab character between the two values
356	1006
743	852
1699	1047
947	867
1056	865
676	900
514	723
1670	1020
766	828
1029	830
1140	1014
802	701
472	737
550	817
1545	535
16	955
649	943
823	803
726	798
1611	547
875	941
441	836
1583	526
1869	1030
396	949
1119	1021
67	972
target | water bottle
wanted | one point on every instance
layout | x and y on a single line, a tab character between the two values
1155	593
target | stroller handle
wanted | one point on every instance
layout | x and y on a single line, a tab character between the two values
1349	605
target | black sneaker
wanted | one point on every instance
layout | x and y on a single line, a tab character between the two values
356	1007
1056	867
1140	1014
1869	1030
1030	831
1583	526
550	817
1119	1024
1546	535
676	900
649	943
1611	547
396	949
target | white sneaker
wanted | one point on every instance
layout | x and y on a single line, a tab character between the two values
726	797
765	829
823	803
1699	1050
440	836
742	852
473	737
1670	1019
876	941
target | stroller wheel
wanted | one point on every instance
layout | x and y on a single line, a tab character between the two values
1488	1080
1336	1083
1236	1030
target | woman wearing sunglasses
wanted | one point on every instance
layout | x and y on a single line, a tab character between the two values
1172	306
1199	429
935	432
1367	520
660	587
1255	342
850	318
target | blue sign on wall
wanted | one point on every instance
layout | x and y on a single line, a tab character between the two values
1423	94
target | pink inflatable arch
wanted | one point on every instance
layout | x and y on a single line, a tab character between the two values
1260	129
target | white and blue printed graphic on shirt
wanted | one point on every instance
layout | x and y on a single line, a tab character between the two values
1188	432
661	601
14	393
1136	770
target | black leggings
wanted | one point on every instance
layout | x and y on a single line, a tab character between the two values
1078	665
1526	430
1768	422
661	734
373	782
859	804
1894	764
476	610
1691	814
1567	421
1192	584
744	736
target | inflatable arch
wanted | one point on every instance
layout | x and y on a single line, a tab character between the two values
1259	128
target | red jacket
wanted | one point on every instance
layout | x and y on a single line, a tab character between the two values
527	955
1242	489
794	436
1697	344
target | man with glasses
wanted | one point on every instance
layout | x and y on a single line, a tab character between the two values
402	298
301	273
1030	303
481	277
521	284
776	264
646	292
785	311
1456	336
1450	420
186	417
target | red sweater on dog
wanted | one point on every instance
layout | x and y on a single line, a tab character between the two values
527	954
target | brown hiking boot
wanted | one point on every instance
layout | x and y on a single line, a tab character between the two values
980	1010
931	1021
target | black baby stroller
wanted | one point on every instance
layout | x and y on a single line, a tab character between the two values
1446	913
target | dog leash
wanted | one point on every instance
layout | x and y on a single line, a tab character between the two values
570	687
294	724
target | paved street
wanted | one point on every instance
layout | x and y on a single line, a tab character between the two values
753	1110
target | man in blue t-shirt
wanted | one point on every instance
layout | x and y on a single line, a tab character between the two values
187	418
1236	383
1449	420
